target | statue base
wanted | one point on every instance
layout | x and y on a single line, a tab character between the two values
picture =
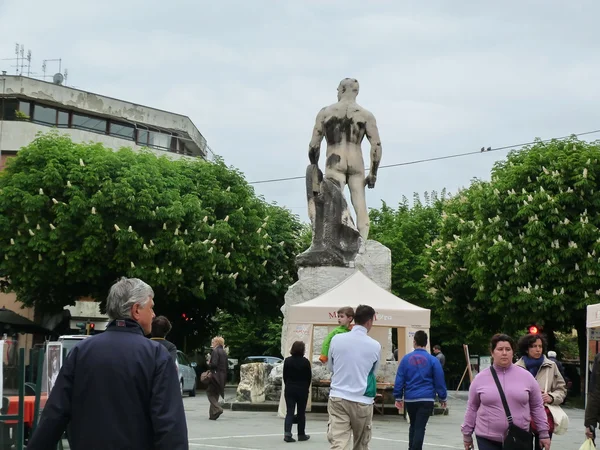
375	262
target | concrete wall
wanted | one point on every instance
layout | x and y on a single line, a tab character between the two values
97	104
19	134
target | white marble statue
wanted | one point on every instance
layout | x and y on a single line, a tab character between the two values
344	125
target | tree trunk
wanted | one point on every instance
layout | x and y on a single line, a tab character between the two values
550	338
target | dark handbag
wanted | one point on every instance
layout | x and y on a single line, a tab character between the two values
516	438
205	377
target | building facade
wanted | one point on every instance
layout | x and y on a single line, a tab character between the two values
29	106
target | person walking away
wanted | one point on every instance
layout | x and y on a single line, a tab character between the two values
160	328
117	389
592	407
216	385
345	316
297	376
353	359
552	357
550	382
437	352
486	415
418	379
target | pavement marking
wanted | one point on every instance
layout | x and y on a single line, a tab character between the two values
424	443
223	446
212	438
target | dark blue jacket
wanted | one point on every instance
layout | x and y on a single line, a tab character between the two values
116	390
420	376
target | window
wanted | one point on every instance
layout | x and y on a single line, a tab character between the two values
182	359
122	130
159	140
63	119
8	108
142	137
89	123
44	115
25	108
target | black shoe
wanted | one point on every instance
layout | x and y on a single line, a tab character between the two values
303	437
289	439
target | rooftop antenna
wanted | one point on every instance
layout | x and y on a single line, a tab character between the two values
28	63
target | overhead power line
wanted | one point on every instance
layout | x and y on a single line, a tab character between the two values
439	158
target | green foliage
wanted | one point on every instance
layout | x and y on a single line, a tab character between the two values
20	115
406	231
305	237
75	217
250	335
566	346
525	246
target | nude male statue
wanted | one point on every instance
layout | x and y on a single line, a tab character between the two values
344	125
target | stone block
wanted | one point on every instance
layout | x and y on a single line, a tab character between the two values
253	380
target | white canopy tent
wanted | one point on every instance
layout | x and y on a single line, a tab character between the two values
391	312
593	329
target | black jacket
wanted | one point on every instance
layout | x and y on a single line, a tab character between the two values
171	348
218	364
297	374
116	390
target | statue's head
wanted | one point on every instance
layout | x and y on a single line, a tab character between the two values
348	88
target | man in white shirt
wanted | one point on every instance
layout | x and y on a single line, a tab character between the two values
353	360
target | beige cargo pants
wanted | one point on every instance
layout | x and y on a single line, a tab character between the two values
347	419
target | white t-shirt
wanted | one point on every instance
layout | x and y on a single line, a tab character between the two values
352	356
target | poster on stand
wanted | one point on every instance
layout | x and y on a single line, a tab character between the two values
53	363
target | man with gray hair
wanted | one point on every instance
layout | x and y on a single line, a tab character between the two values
118	389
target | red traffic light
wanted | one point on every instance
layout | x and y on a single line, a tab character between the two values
92	326
533	329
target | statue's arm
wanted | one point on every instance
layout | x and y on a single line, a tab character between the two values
314	148
375	141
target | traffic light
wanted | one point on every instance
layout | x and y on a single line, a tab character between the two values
534	329
89	327
185	317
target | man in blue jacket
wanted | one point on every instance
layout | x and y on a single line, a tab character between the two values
117	390
420	376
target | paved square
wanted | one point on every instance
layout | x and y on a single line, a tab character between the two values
242	430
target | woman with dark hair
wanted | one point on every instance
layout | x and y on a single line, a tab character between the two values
297	376
486	414
551	383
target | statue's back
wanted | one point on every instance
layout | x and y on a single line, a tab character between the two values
345	122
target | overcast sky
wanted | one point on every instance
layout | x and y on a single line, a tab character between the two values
440	77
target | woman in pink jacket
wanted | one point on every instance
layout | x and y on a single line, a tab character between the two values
485	414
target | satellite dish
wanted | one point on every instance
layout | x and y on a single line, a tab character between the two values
58	78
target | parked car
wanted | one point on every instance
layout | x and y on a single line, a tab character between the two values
262	359
187	374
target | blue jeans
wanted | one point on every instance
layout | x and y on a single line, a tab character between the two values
418	413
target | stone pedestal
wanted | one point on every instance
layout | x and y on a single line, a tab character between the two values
254	382
375	262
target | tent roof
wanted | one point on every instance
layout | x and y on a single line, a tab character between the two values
355	290
593	316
